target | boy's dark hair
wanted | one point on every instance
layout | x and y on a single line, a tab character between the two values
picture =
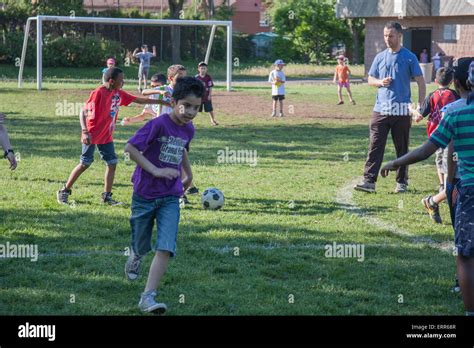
461	73
173	69
188	85
160	78
444	76
394	25
112	73
144	46
202	64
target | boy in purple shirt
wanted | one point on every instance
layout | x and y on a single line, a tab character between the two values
160	149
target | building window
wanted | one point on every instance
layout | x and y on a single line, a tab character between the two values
451	32
264	19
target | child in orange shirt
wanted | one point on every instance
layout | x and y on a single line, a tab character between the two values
341	76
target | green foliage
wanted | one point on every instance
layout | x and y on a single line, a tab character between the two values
310	26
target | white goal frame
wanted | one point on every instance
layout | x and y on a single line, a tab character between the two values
131	21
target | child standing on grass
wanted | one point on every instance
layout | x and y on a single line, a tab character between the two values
277	79
207	98
110	64
432	106
9	154
158	82
163	172
341	76
455	127
145	58
98	119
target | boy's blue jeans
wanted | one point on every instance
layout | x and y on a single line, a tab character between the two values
165	211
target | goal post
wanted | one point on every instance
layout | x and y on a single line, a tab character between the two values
131	21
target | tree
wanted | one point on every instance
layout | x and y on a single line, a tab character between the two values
176	7
311	27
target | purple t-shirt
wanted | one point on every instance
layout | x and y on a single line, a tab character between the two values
163	143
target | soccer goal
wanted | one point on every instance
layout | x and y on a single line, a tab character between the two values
125	21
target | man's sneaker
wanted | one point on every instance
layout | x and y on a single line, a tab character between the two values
107	199
148	304
132	266
281	114
273	114
432	208
401	188
192	190
365	187
63	194
456	287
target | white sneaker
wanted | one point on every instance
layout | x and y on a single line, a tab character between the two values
132	266
148	304
401	188
281	114
273	114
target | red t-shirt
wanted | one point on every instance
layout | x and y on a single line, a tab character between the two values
103	106
433	104
207	81
342	73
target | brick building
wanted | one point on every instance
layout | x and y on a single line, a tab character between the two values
249	15
445	26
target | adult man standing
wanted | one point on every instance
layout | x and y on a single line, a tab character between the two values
391	72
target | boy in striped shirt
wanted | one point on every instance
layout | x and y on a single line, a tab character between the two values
457	126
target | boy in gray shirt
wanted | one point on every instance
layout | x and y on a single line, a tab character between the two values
145	58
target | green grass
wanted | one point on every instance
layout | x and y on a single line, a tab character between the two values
242	71
279	214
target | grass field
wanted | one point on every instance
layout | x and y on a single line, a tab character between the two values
263	253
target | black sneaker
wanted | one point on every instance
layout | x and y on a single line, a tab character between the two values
63	194
192	190
456	287
432	208
107	199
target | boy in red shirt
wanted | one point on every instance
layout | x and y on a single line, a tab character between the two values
432	106
341	76
98	120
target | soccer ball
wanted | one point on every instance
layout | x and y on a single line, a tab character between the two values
212	199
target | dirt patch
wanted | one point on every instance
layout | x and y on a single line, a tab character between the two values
243	105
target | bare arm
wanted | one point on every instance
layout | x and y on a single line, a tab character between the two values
188	174
152	91
135	52
85	136
451	164
154	51
419	154
142	161
420	80
143	100
379	83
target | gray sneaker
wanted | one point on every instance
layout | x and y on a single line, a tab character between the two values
273	114
63	194
132	266
401	188
365	187
148	304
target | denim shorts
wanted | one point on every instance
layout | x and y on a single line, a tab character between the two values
464	221
165	211
106	151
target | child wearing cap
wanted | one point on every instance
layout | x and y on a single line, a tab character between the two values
277	79
341	76
110	64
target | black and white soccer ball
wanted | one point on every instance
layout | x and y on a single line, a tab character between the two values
212	199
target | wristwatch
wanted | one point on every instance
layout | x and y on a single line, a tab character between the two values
7	152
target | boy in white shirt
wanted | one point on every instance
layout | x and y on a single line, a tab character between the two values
277	79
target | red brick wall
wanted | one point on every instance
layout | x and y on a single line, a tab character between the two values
463	47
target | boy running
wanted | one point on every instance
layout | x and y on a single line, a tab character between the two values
163	172
432	107
98	119
158	82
